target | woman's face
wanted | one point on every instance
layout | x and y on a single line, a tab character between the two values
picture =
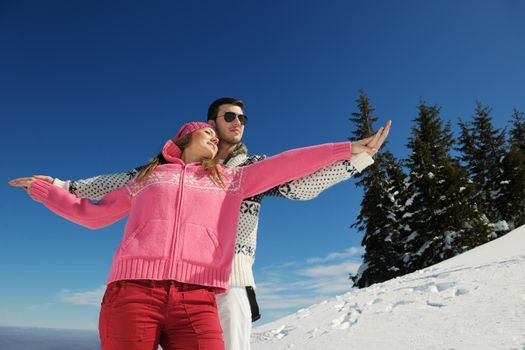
203	144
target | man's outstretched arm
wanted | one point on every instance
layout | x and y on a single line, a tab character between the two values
98	186
309	187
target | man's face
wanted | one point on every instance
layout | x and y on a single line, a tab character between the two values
228	132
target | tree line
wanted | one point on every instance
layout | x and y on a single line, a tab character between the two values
450	194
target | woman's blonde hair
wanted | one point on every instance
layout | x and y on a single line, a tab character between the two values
210	165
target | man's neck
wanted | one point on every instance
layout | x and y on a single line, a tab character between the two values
225	149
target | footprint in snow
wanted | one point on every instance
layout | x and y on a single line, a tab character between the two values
444	286
391	307
431	287
461	291
403	302
346	320
374	301
303	313
312	333
279	333
435	305
455	292
345	306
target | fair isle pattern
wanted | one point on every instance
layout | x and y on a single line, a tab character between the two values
239	160
201	180
304	188
310	186
244	160
156	177
196	178
247	228
246	240
97	187
249	207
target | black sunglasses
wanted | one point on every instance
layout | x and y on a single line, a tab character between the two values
230	117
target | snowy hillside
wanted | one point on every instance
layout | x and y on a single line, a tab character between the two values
473	301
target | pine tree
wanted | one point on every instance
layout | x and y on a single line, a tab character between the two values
511	200
441	218
466	145
483	150
380	221
380	208
363	119
517	133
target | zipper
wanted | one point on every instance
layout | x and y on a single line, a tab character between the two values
176	225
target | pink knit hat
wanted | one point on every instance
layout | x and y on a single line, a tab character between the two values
190	127
171	151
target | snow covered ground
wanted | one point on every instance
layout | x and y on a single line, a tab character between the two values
473	301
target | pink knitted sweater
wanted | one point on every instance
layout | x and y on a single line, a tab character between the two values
181	225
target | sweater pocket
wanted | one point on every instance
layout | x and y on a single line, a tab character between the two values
148	240
200	245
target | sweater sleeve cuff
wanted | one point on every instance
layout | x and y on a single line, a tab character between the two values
39	190
361	160
62	184
342	150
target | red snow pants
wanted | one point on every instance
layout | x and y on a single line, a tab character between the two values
140	315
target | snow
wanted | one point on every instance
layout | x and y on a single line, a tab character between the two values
411	199
412	236
473	301
500	226
408	215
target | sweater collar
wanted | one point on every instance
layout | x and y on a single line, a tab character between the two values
237	155
171	152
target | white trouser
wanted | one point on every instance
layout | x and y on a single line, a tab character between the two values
236	318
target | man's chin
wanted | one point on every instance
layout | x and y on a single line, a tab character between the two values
232	140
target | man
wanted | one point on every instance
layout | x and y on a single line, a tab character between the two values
238	307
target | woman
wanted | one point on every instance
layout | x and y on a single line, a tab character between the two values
178	242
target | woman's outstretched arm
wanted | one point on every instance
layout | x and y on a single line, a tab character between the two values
293	164
111	208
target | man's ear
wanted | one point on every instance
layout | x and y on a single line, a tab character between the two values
212	123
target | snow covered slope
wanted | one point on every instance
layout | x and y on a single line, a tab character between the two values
473	301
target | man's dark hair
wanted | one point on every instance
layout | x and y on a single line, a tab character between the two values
213	110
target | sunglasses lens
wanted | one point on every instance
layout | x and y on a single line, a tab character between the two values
229	116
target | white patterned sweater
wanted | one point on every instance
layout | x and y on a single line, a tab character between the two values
304	188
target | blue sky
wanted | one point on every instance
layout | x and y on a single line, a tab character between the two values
95	87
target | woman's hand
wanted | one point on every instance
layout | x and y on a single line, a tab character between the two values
372	144
25	182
